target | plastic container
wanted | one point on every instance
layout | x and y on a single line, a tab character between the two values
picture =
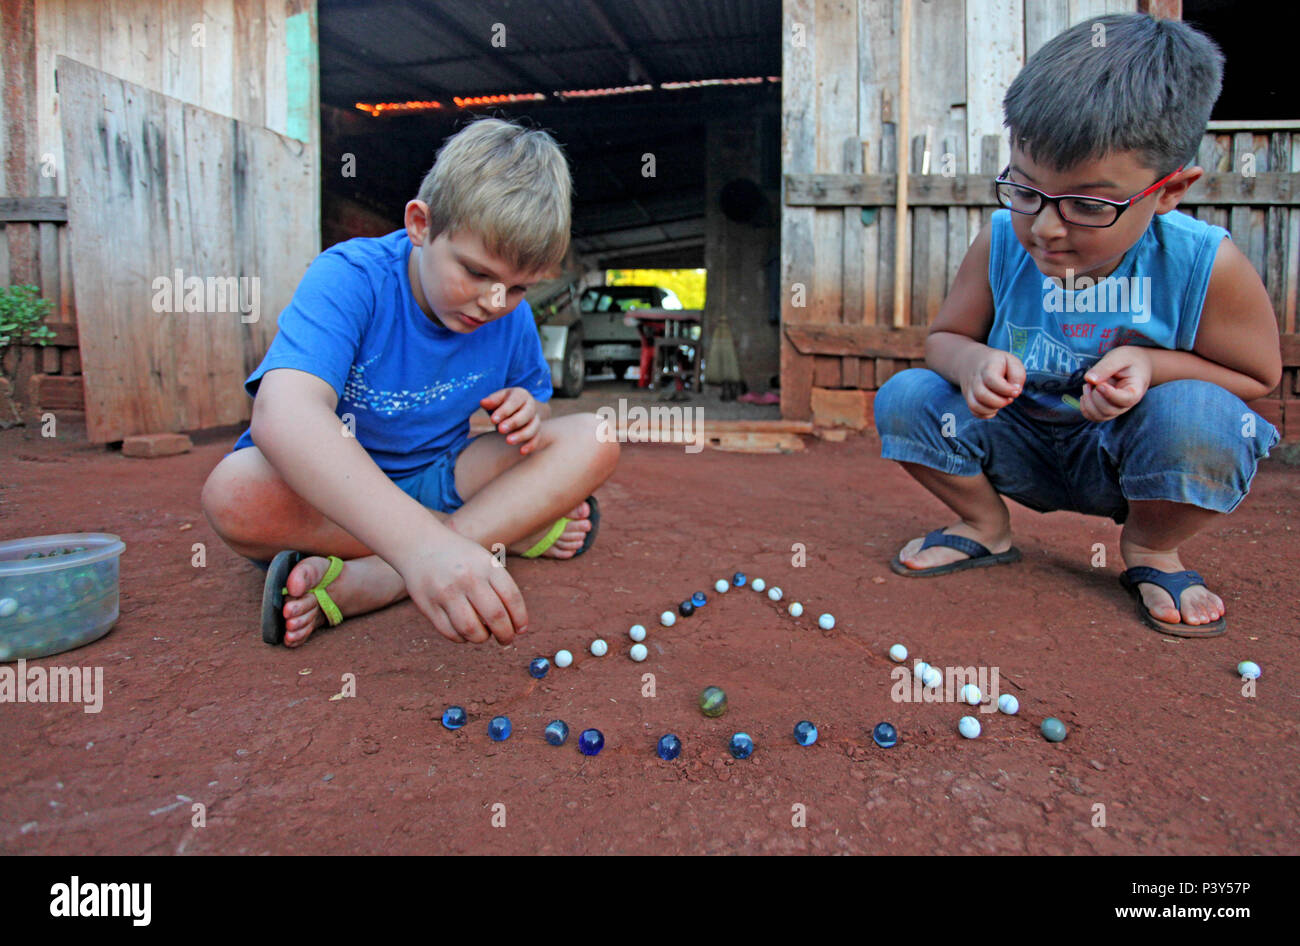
58	601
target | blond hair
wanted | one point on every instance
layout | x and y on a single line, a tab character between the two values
509	186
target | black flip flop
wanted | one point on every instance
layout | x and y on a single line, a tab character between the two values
980	556
594	516
1173	584
277	573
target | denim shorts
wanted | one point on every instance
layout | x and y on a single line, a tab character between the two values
433	487
1186	441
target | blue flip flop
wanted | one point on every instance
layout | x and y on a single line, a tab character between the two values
980	556
1174	584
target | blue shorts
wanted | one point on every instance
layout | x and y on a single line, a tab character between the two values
433	487
1186	441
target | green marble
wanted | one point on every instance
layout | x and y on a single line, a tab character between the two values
713	702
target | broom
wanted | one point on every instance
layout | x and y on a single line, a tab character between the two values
724	366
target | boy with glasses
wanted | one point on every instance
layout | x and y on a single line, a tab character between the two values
1097	346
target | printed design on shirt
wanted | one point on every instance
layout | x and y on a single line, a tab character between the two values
1050	365
359	392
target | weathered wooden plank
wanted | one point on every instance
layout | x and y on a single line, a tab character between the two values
798	154
859	341
249	31
886	368
275	70
1267	188
1288	316
1247	236
67	295
837	123
826	371
170	221
919	232
217	58
852	262
995	52
49	266
755	442
1043	20
849	371
1290	345
1275	243
877	77
956	234
888	233
33	209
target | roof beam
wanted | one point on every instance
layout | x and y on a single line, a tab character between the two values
637	71
476	46
335	47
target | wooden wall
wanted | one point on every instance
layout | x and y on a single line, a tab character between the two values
252	60
840	120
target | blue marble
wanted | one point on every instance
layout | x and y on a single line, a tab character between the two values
669	748
557	732
698	599
499	728
453	717
741	746
591	741
539	667
805	733
886	735
686	609
738	579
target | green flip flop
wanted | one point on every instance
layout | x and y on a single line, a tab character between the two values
275	590
557	530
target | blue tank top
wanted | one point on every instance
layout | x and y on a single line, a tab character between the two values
1153	298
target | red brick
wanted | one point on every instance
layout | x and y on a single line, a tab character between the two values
155	445
57	392
832	408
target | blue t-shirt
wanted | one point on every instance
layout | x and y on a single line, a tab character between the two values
409	383
1153	298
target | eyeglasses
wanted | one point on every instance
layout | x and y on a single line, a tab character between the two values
1074	209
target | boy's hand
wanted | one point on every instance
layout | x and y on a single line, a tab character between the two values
514	411
459	587
1115	383
993	380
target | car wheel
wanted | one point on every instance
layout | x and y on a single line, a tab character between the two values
574	373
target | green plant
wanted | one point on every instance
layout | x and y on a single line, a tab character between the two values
22	316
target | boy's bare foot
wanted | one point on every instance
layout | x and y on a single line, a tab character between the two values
570	540
937	555
1198	605
364	584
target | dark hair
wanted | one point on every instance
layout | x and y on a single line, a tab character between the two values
1123	82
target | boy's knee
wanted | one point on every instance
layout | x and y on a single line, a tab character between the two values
1201	432
910	396
591	438
1189	417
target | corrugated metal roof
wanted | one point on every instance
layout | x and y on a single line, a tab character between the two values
387	50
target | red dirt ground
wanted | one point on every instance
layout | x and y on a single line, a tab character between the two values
199	710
